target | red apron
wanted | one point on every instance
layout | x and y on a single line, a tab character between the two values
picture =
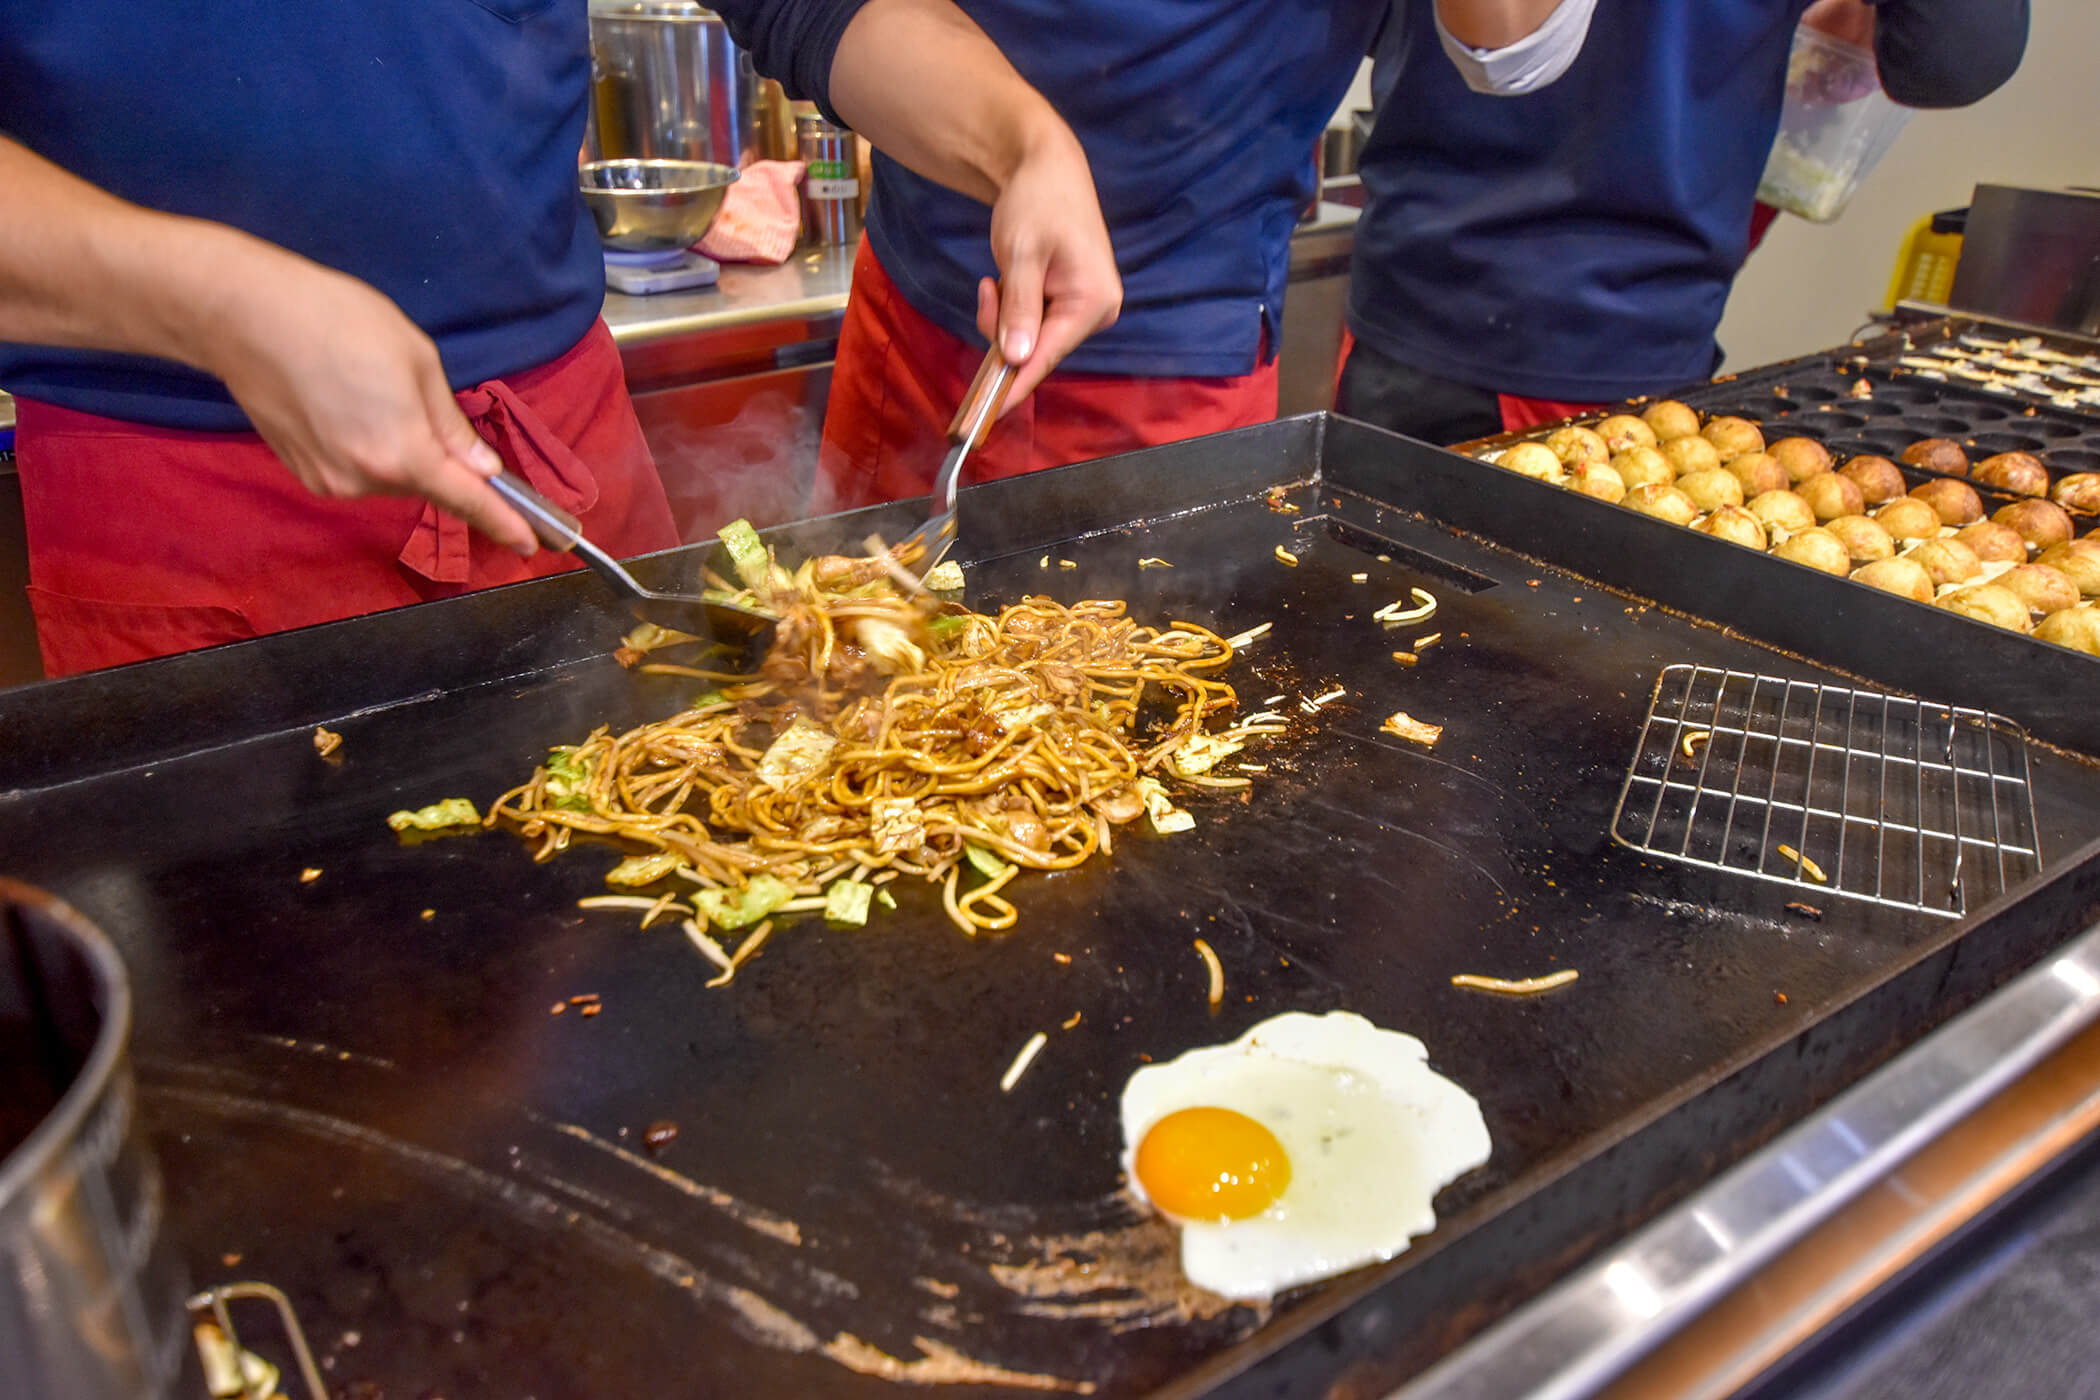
145	541
1521	413
900	379
1518	413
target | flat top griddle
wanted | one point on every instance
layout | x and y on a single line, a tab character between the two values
361	1095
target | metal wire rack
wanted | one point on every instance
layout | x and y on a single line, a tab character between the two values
231	1372
1902	802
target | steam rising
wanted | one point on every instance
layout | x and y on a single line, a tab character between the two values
760	466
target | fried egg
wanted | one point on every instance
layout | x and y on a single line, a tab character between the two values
1310	1146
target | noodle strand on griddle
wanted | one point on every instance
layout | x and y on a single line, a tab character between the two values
884	735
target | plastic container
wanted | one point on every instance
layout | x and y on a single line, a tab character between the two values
1837	123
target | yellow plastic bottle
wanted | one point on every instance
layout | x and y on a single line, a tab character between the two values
1925	265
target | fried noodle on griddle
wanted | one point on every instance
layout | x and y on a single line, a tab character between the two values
885	735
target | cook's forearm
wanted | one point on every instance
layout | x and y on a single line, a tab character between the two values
1948	53
920	80
1492	24
80	267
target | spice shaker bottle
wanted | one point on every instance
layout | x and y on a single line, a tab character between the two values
831	188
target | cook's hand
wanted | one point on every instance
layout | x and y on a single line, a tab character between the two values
351	395
1834	83
1850	20
1057	282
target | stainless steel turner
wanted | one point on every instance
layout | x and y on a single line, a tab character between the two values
971	425
707	618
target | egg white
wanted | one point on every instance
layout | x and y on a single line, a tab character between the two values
1371	1131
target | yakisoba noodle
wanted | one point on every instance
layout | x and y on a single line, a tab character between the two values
887	736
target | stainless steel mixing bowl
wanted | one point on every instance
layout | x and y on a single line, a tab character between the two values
653	206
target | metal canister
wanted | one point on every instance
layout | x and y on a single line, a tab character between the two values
668	83
831	188
91	1302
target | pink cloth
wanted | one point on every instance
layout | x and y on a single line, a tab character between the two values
762	217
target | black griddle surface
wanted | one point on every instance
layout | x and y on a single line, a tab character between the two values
376	1110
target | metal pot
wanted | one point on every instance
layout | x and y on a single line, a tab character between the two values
91	1303
668	83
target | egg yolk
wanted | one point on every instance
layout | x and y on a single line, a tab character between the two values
1211	1164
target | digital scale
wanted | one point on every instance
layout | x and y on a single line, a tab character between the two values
639	274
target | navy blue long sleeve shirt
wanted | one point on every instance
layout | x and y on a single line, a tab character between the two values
425	146
1579	243
1198	120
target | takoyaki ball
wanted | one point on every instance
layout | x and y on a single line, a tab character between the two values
1671	419
1987	602
1574	444
1663	502
1690	454
1906	577
1736	525
1782	510
2080	562
1994	543
2042	524
1864	539
1597	479
2076	628
1819	549
2019	472
1710	490
1878	478
2042	588
1907	518
1758	472
1732	437
1802	457
1643	466
1956	502
1948	561
1942	455
1831	496
1623	430
2080	491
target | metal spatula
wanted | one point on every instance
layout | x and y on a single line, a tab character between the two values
972	423
707	618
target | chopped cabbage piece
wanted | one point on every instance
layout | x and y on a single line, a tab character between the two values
438	816
1166	817
642	870
846	901
896	824
800	752
984	862
568	774
945	576
649	637
736	908
889	645
747	552
1199	753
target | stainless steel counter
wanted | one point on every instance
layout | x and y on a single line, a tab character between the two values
814	284
807	286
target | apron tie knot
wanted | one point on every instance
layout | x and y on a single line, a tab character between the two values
440	546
